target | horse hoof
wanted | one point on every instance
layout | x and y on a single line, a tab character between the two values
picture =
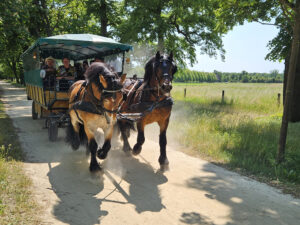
101	154
164	167
95	168
127	150
137	149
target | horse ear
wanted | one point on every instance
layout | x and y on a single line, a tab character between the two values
157	56
171	56
123	77
103	81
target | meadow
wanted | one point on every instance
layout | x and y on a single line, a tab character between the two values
240	132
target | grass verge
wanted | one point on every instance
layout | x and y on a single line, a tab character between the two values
16	201
238	134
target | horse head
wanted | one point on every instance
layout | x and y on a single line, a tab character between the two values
106	86
164	70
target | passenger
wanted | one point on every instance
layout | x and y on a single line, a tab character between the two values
134	77
85	65
78	72
99	59
66	70
50	76
50	65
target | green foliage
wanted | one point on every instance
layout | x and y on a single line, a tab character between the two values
186	75
174	25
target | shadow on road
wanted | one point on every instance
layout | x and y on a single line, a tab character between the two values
249	202
77	189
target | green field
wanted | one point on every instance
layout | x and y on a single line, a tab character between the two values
241	132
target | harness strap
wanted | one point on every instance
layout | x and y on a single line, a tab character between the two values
80	120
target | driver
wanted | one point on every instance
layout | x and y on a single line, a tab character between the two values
66	70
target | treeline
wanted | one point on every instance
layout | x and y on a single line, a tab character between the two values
186	75
153	25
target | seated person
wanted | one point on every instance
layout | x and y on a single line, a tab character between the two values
85	65
50	69
79	71
99	59
66	70
134	77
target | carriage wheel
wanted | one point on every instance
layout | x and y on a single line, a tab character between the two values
52	130
33	112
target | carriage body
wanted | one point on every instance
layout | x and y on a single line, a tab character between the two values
51	102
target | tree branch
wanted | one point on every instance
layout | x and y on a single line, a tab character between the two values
185	34
273	24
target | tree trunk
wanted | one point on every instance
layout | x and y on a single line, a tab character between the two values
286	71
45	14
103	18
295	105
160	33
290	84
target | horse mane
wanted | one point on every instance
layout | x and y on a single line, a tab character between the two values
97	68
149	69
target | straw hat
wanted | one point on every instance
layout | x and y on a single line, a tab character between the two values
50	58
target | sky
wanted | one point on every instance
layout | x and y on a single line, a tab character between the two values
246	48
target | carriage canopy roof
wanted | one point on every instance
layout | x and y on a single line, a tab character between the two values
76	46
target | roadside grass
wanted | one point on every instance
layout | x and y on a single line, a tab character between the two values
241	133
16	203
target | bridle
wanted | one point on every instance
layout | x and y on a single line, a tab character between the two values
166	74
105	93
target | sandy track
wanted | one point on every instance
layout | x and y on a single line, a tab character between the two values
131	191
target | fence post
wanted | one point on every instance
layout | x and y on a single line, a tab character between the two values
184	92
278	99
223	96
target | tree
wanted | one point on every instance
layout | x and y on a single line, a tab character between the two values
174	25
292	12
107	13
14	37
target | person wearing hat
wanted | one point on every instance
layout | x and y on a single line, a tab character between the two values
50	69
50	65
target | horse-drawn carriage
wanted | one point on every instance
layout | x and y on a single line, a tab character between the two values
50	99
103	98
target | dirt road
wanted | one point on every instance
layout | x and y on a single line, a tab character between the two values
131	191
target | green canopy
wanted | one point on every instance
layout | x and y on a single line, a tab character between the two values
76	46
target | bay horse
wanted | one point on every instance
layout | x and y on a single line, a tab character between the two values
151	98
93	104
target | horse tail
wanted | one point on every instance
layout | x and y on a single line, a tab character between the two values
75	139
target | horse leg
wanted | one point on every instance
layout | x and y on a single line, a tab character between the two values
140	139
72	134
102	153
92	146
163	160
125	131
